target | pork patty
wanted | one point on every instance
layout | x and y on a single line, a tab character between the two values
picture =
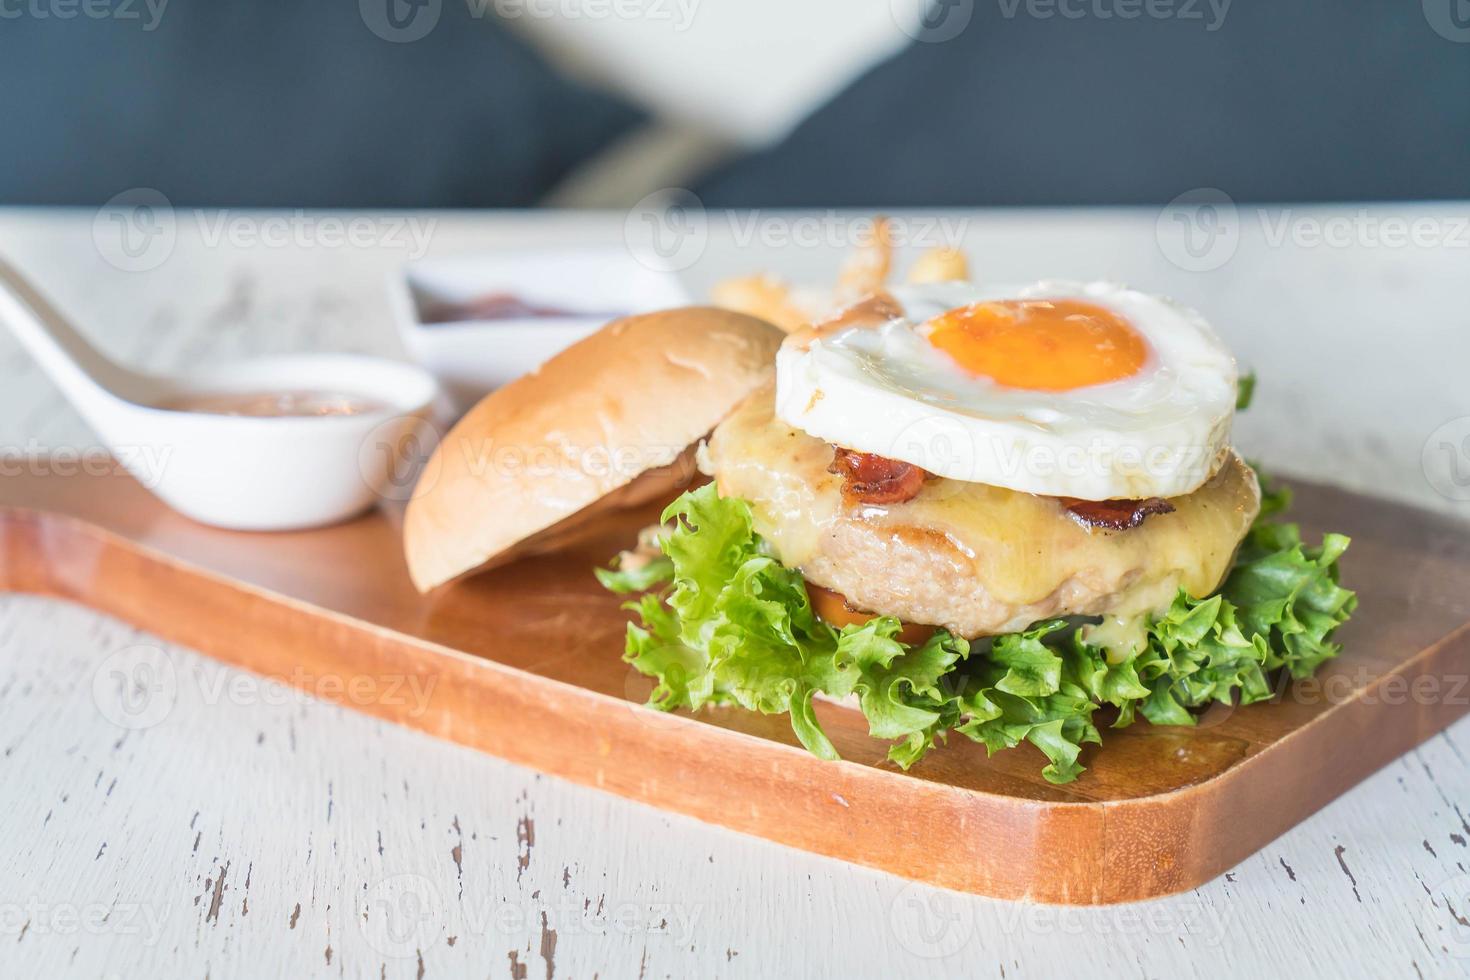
974	559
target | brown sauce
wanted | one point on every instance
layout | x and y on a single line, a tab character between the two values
500	306
275	404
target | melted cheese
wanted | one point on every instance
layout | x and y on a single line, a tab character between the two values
1020	553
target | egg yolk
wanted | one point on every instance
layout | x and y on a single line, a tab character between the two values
1040	344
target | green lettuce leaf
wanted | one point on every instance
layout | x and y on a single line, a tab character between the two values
730	625
1246	391
638	578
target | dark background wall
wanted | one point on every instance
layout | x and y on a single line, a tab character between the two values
1284	100
287	102
301	104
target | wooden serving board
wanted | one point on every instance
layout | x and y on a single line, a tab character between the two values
524	662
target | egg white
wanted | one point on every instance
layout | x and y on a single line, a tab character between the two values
887	390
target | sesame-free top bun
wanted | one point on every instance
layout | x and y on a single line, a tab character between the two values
605	423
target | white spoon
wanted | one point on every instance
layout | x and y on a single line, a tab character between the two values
243	472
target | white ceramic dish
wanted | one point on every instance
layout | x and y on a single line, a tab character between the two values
473	357
239	472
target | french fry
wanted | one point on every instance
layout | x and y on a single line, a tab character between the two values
941	264
764	298
866	271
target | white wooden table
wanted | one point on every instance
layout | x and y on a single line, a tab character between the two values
245	832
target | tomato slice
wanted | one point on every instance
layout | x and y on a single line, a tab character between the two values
833	609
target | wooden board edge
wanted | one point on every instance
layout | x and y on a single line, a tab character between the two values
1226	819
1071	853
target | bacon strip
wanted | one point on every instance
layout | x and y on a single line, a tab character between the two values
1114	515
868	478
871	479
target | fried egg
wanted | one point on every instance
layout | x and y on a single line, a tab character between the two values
1068	389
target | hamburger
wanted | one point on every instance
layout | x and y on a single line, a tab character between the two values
1011	514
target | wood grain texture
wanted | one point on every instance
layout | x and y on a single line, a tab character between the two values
531	877
523	662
